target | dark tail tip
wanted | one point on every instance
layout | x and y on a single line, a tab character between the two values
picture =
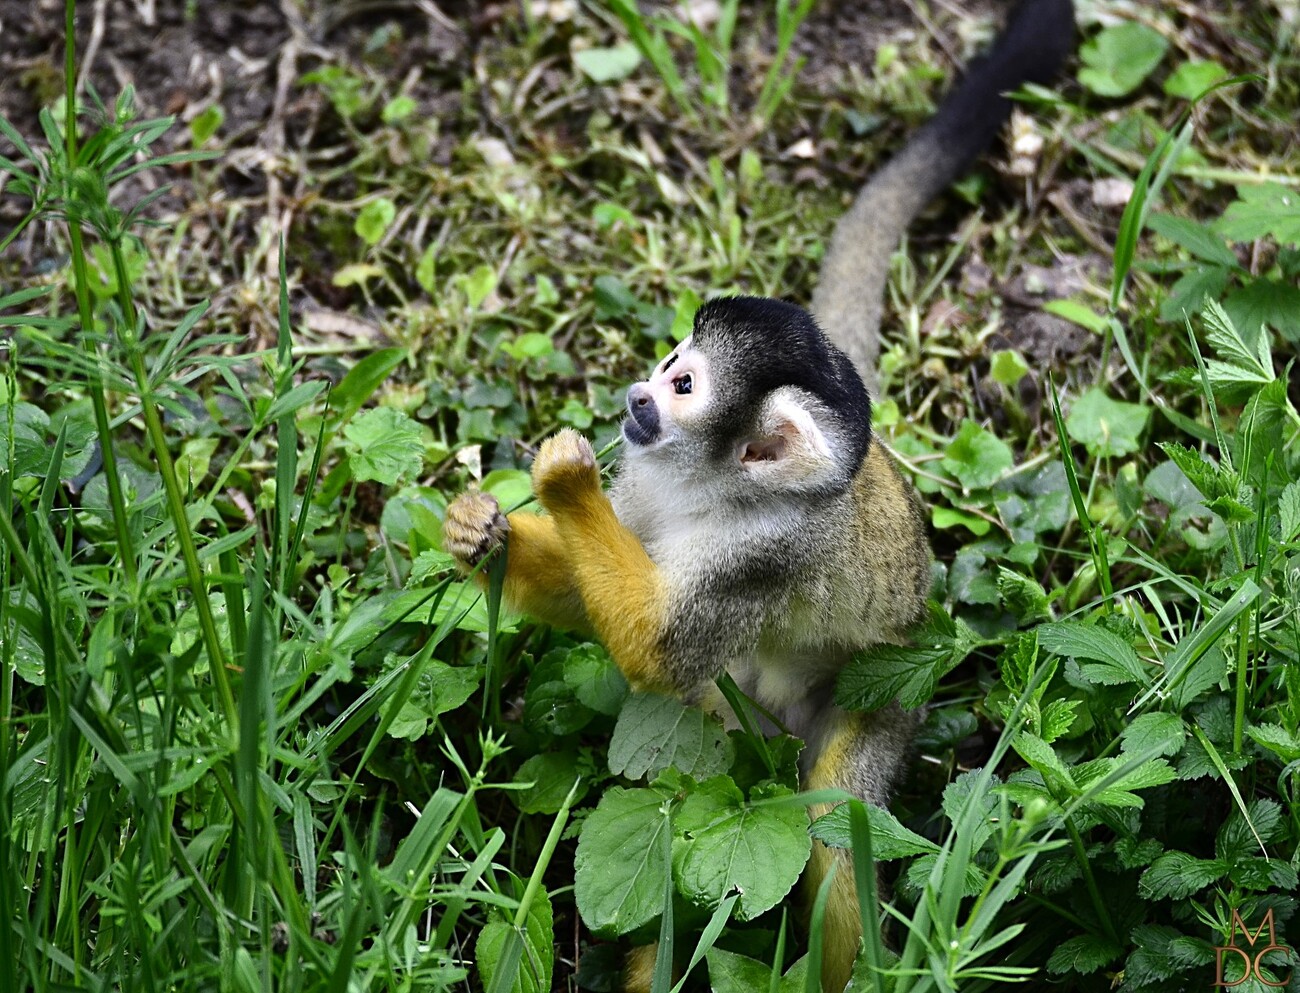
1031	48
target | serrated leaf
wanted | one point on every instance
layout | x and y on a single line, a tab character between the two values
889	839
1263	210
1023	596
977	458
1247	349
759	850
1198	239
1077	640
1274	303
1105	426
1277	740
1242	836
385	445
621	860
654	732
884	673
1044	760
1188	294
1177	875
1204	475
1057	718
1084	953
1288	512
1120	57
1155	734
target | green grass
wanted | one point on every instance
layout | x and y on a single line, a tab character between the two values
254	733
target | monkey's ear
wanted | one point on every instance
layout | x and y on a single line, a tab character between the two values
790	446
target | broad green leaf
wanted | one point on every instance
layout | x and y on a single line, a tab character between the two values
1023	596
426	270
759	850
362	380
1083	953
1044	760
948	517
440	688
1078	640
885	673
595	679
1271	302
1191	79
551	705
889	839
1120	57
398	109
1246	347
374	219
620	862
1177	875
206	124
1008	367
977	458
731	972
1277	740
1105	426
1205	476
511	487
1198	239
538	961
477	284
613	298
1288	509
1241	837
606	65
1120	792
1261	211
356	273
385	445
1057	718
1155	734
552	775
889	672
654	732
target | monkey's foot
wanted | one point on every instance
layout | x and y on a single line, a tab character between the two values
565	470
474	527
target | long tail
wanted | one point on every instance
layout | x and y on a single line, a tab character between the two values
848	300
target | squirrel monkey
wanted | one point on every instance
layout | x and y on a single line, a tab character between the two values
754	526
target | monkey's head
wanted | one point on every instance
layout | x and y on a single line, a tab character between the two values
756	395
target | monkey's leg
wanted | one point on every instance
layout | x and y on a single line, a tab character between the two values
622	590
539	576
859	754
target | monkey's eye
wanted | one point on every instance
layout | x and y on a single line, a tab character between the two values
682	385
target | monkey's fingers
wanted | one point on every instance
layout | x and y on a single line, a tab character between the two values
565	470
474	527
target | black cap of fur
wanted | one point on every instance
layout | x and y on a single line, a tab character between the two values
767	344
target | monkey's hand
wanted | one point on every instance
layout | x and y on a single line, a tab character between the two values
565	471
474	528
